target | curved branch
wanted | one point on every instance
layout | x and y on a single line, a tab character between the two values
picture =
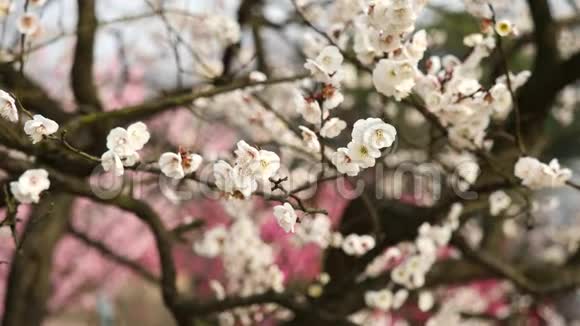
110	254
562	280
155	106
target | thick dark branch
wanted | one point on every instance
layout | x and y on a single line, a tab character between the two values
179	231
141	209
283	299
561	280
544	34
244	15
154	106
29	284
31	94
538	95
82	77
568	72
533	98
110	254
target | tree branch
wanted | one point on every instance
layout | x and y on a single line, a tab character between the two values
152	107
562	280
29	285
110	254
82	77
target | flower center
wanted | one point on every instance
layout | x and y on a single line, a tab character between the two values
363	151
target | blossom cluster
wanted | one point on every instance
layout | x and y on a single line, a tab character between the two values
536	175
286	216
411	270
326	69
369	136
8	108
123	145
499	201
28	22
383	26
357	245
251	166
385	299
29	185
452	93
178	165
249	263
37	127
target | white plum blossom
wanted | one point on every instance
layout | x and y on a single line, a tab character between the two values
357	245
8	109
472	40
411	273
39	127
29	186
122	145
426	301
257	76
499	201
251	165
38	3
399	298
212	242
127	141
266	165
310	139
374	132
286	217
138	135
131	159
245	153
394	78
262	164
178	165
309	109
28	24
468	86
536	175
223	28
332	128
504	27
382	299
362	154
502	101
118	141
316	230
332	98
170	165
111	161
330	59
6	7
235	181
325	67
241	249
369	136
344	163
